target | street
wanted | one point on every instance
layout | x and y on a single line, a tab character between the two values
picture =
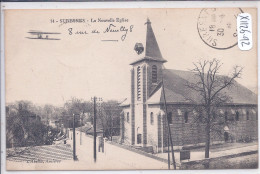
114	157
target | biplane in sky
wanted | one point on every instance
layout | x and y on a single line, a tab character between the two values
42	35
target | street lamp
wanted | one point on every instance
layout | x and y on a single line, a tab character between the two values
81	117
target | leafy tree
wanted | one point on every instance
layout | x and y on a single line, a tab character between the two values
24	127
77	107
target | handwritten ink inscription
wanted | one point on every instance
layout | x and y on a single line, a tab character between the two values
123	29
97	26
244	28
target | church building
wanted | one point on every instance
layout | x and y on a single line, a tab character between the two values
143	120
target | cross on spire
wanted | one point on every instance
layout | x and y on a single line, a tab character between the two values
152	50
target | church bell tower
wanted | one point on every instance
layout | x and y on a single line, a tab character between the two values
146	74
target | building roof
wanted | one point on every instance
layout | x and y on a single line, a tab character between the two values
43	153
126	102
175	81
152	50
176	90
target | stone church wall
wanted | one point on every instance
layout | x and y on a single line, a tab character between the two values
125	125
193	132
154	127
183	134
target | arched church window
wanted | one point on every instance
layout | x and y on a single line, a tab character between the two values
170	118
154	74
237	116
127	117
138	83
186	117
247	115
151	118
226	116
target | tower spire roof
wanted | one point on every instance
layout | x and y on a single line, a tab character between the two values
152	50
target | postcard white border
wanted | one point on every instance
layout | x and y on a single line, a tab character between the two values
101	5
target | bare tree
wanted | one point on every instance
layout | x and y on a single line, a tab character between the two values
210	89
110	118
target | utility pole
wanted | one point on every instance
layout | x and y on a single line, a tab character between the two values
169	160
95	133
112	129
74	139
169	129
81	129
95	126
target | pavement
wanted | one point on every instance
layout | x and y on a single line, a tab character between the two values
216	152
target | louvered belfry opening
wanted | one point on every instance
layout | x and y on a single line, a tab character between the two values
154	74
138	83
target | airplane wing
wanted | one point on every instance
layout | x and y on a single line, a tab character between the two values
39	32
42	38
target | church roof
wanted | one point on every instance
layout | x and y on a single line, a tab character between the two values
152	50
176	91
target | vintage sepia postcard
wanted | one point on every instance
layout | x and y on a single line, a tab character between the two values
131	89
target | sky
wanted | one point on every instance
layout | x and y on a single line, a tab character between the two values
83	66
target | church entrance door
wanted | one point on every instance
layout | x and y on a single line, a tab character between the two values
139	138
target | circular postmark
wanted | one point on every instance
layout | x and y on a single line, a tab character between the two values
217	27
